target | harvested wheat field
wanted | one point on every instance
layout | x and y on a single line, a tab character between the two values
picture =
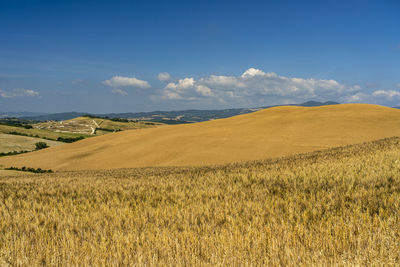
338	207
264	134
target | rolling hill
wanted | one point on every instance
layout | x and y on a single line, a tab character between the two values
268	133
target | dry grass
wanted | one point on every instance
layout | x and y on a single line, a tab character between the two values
337	207
264	134
7	173
9	142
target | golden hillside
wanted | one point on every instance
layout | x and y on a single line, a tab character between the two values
267	133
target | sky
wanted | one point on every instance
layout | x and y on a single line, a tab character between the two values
131	56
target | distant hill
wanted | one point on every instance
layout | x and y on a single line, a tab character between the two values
20	114
55	116
172	117
316	104
267	133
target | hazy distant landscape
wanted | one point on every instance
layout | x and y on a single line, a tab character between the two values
169	117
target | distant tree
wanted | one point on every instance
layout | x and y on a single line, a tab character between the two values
69	139
41	145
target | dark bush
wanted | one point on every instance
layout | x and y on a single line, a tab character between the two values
120	120
41	145
70	139
11	153
25	169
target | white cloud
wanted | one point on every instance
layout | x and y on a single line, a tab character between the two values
19	92
164	76
180	90
204	90
398	85
256	72
387	94
255	87
119	92
215	80
119	81
181	84
380	97
356	98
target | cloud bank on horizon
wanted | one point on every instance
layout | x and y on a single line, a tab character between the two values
254	87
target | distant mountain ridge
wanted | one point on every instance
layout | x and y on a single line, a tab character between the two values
316	104
21	114
56	116
171	117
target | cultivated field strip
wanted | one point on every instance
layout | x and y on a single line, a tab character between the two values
337	207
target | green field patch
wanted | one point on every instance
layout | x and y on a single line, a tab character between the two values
15	144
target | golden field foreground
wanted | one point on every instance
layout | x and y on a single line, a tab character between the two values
336	207
268	133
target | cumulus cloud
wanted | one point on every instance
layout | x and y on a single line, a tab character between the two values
255	87
181	84
204	90
220	80
181	90
252	72
356	98
19	92
380	97
120	81
119	92
387	94
164	76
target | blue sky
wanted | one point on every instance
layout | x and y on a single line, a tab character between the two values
107	56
